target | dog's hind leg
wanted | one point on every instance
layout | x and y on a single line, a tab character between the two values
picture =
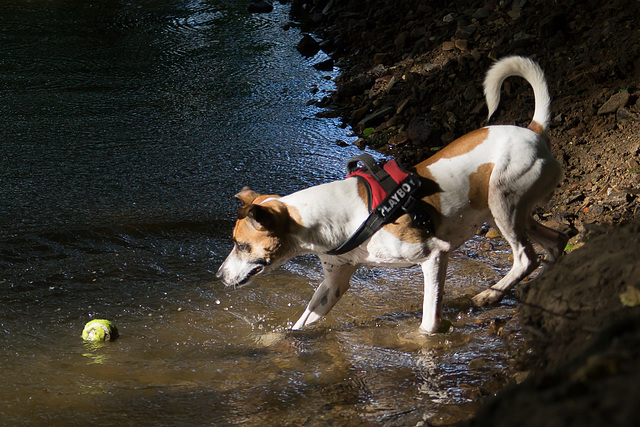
525	261
335	284
552	241
511	218
435	272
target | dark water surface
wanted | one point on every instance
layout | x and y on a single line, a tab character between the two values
127	126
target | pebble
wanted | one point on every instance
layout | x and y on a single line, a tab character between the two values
470	93
481	13
462	45
381	58
465	32
324	65
492	234
378	115
260	6
308	46
618	100
401	40
448	45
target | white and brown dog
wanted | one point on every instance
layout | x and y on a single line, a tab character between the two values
495	174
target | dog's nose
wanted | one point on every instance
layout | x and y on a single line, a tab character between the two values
220	272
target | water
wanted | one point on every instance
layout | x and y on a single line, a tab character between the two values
127	128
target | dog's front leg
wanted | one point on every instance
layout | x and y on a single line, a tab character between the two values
335	284
435	272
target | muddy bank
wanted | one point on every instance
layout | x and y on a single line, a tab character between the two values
412	76
582	322
411	82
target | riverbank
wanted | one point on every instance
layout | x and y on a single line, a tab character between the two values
411	82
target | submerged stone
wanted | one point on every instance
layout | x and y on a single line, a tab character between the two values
260	6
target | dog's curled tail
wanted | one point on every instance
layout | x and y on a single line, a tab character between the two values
532	73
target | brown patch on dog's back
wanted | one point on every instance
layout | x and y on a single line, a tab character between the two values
403	228
460	146
479	187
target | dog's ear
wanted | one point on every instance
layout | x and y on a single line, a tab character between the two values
264	216
271	218
246	196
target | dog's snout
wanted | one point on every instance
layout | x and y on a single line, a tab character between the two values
220	272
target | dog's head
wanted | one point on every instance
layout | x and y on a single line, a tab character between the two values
260	236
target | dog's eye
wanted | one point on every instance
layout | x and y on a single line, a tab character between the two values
243	247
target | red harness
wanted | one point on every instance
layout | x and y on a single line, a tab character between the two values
375	190
391	192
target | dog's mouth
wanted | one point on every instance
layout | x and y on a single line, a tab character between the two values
254	272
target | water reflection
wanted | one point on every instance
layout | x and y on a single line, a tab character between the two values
93	354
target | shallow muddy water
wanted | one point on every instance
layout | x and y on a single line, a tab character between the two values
127	128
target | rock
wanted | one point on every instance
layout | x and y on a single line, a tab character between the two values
481	13
616	197
519	377
623	115
448	45
479	363
462	45
465	32
381	58
308	46
324	65
419	129
618	100
447	137
399	138
358	114
470	92
376	117
401	40
492	234
260	6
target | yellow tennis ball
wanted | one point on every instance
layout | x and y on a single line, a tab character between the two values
100	330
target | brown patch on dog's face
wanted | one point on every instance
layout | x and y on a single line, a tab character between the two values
479	187
262	229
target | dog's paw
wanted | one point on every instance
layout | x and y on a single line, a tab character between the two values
488	297
441	327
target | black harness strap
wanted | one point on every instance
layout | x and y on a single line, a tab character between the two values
399	199
373	169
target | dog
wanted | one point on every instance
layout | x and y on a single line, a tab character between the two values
495	174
